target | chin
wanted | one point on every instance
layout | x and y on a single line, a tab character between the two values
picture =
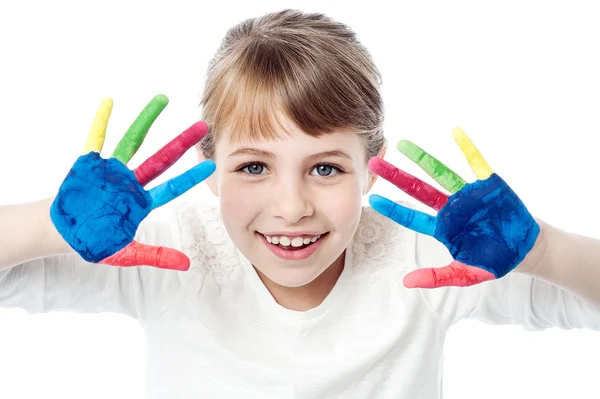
291	278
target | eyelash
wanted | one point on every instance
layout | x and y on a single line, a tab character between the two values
337	168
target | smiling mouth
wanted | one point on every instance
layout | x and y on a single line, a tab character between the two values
293	243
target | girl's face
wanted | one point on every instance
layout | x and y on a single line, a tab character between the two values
291	205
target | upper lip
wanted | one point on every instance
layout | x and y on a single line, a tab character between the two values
291	233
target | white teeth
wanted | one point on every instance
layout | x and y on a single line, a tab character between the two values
294	242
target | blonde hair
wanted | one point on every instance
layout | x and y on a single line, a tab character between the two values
307	67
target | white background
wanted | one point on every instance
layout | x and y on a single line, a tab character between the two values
521	77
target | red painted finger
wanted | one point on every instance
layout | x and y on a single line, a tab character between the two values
137	254
408	183
170	153
456	274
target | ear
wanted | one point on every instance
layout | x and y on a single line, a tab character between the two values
211	181
372	176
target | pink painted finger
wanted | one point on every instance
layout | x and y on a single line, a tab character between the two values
456	274
137	254
408	183
170	153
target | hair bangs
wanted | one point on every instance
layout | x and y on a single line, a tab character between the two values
250	108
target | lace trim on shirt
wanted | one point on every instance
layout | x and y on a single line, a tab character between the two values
378	244
206	242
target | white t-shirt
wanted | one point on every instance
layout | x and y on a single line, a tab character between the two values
216	332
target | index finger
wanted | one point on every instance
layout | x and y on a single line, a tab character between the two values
135	135
178	185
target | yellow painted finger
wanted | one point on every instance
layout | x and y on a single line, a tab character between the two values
478	164
95	139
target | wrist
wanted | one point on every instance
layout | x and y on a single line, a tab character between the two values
535	258
51	240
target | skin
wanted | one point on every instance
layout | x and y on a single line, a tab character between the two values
485	226
101	202
309	199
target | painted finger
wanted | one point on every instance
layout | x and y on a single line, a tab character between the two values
456	274
170	153
176	186
409	218
95	140
135	135
433	167
137	254
479	165
408	183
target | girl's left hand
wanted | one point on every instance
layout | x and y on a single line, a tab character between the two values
484	224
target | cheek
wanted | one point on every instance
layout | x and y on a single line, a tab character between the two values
239	190
240	201
343	205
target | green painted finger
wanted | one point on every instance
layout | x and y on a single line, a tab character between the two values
434	168
135	135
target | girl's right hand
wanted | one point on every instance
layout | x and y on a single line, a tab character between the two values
101	202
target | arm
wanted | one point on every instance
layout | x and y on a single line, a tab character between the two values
27	233
517	298
66	282
489	232
566	260
97	212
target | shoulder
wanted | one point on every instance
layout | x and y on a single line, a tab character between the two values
204	239
384	247
380	243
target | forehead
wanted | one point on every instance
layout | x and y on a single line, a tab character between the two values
294	144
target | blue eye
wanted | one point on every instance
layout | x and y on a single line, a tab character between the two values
322	170
254	169
325	170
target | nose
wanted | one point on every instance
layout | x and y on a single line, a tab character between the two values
291	201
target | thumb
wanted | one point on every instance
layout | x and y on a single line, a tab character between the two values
455	274
137	254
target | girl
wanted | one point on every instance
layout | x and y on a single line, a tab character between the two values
290	288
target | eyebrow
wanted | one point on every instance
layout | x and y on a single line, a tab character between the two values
267	154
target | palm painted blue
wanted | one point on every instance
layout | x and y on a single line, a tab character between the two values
99	207
485	224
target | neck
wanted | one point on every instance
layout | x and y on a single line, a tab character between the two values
308	296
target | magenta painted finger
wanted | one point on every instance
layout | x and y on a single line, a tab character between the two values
408	183
170	153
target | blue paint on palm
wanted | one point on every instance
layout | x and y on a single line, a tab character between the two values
99	207
485	224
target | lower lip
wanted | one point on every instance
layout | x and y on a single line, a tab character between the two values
298	254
